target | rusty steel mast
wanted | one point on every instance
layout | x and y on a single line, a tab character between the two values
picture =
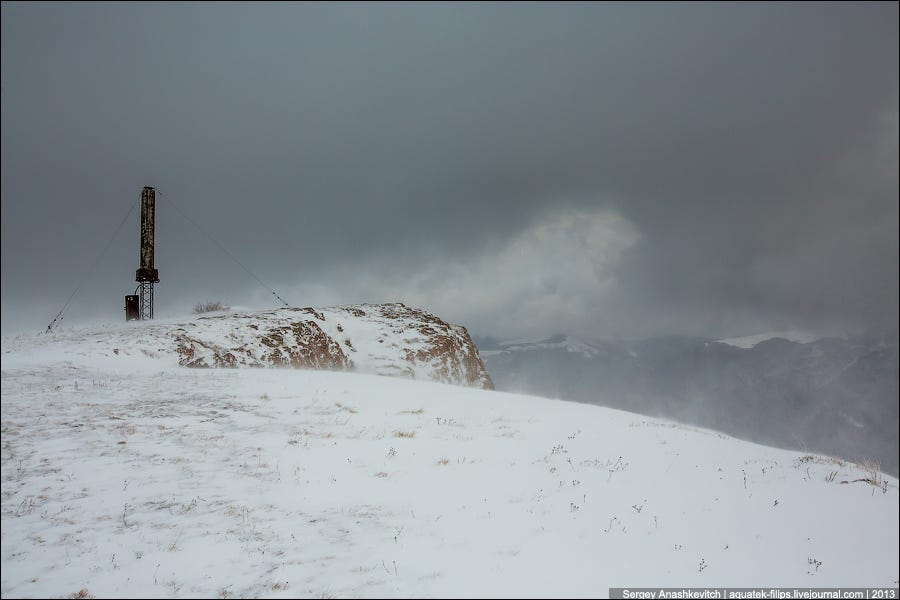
140	305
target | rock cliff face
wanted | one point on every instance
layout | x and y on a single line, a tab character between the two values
385	339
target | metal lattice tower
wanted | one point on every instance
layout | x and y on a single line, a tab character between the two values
145	289
147	275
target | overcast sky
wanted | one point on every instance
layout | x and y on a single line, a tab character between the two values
521	169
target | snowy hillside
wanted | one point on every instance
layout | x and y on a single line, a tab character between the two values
131	476
837	396
382	339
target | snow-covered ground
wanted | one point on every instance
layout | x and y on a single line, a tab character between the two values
139	478
381	339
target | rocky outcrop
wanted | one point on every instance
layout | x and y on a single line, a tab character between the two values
299	344
384	339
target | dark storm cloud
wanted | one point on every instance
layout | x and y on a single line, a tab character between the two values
379	150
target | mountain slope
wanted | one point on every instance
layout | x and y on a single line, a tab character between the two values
141	478
833	395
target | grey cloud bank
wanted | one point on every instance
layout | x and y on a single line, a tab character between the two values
613	169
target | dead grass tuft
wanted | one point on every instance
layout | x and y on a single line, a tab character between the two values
404	434
820	460
874	476
209	306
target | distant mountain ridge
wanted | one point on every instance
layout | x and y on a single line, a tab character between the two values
832	395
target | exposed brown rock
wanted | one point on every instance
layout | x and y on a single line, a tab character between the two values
302	345
314	313
449	351
408	342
